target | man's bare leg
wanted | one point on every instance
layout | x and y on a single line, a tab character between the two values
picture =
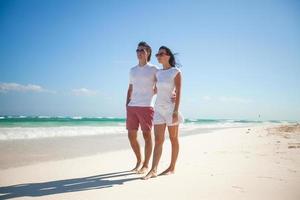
159	132
132	136
173	134
148	151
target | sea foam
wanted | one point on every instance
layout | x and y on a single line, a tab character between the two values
11	133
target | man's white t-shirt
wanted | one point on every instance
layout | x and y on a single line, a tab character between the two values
142	79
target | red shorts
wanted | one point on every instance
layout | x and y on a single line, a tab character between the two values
142	116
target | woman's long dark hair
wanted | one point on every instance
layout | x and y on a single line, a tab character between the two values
172	60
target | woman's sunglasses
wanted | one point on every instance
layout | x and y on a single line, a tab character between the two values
160	54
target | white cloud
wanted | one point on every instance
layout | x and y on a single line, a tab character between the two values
6	87
84	92
206	98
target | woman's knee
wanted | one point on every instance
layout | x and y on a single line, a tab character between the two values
159	140
173	138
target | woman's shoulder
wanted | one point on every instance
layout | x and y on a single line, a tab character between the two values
175	71
172	70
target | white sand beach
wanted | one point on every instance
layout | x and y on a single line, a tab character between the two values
259	162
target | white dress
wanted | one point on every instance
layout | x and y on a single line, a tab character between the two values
164	107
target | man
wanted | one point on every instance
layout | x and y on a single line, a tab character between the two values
139	105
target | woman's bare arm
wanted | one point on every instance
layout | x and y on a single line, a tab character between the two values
177	81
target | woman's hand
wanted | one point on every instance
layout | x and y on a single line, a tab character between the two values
175	117
173	98
155	90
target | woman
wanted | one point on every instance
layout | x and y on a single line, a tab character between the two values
166	112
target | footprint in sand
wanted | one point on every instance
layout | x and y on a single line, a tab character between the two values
292	170
238	188
281	152
269	177
294	145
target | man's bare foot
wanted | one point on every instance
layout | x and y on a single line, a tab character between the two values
168	171
143	170
151	174
136	168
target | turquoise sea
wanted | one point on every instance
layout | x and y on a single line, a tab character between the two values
45	121
31	127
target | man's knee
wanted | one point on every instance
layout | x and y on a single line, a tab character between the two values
132	136
147	136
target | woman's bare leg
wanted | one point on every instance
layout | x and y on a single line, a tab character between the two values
159	132
173	134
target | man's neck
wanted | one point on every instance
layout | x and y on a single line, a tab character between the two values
142	63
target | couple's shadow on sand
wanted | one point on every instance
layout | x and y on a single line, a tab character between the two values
68	185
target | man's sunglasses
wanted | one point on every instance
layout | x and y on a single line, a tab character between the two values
160	54
140	50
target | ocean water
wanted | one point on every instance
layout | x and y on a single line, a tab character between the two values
32	127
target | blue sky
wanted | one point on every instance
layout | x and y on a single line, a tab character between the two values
68	57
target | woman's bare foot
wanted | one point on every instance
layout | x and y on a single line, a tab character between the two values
136	168
151	174
168	171
143	170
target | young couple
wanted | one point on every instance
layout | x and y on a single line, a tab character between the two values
145	81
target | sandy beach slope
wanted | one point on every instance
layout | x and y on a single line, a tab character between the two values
237	163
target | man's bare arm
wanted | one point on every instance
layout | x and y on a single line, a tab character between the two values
155	88
129	92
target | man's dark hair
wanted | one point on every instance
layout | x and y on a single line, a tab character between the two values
148	49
